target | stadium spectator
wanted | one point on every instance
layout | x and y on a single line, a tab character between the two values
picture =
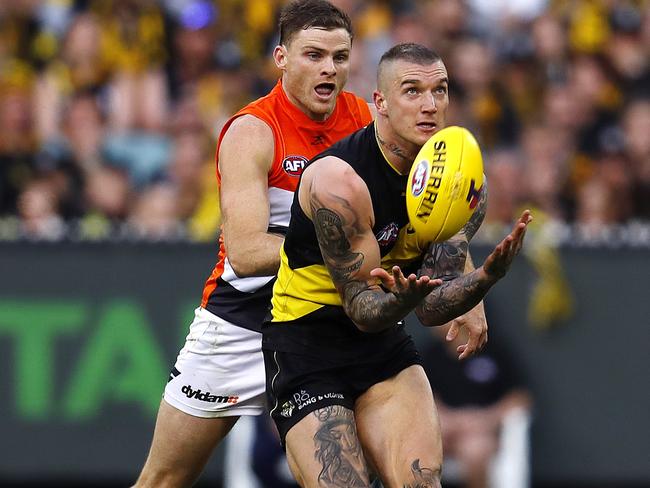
85	83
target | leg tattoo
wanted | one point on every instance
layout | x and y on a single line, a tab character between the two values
424	477
338	449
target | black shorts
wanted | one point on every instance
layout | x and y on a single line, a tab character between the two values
302	380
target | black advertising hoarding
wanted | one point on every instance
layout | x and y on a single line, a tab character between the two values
88	333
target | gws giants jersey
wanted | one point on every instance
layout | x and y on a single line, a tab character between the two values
244	301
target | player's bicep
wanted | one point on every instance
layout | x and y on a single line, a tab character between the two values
341	211
245	157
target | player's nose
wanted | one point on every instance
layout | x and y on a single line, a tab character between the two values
429	103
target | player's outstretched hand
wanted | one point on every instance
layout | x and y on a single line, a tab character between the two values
408	290
476	326
499	261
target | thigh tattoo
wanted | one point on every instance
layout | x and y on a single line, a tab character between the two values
423	477
338	449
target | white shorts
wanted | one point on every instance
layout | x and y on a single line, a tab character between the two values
220	370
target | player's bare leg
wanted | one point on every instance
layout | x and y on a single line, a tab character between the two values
398	426
323	449
180	448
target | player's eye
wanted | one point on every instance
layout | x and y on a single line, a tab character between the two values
313	55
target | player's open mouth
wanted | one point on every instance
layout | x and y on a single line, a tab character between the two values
325	90
426	126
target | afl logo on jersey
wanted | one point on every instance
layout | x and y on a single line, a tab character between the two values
388	234
293	165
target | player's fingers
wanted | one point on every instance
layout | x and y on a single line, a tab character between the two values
526	217
379	273
397	272
472	345
519	232
387	280
416	283
453	331
519	242
435	283
401	281
411	283
507	244
498	251
518	245
465	353
483	340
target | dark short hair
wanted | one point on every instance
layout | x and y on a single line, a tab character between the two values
304	14
410	52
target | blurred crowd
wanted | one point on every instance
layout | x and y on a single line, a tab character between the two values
110	109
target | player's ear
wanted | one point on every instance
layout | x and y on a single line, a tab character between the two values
380	102
280	57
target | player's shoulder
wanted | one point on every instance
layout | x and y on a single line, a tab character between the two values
356	145
336	174
247	129
348	95
247	140
355	104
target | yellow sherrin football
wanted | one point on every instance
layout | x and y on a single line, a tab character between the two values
444	185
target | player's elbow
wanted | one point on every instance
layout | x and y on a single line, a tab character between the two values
369	326
364	321
241	263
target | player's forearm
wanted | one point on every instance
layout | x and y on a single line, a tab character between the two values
454	298
255	254
371	308
445	260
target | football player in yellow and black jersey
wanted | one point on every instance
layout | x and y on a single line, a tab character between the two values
343	377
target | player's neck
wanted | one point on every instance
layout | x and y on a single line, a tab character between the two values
393	150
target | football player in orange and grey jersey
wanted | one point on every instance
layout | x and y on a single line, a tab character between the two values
219	373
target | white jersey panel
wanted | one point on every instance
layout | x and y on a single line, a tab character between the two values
280	201
246	285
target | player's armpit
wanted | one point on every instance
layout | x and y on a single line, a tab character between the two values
245	158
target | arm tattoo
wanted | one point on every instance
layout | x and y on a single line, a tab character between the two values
475	221
367	306
445	260
453	299
338	449
335	246
424	477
